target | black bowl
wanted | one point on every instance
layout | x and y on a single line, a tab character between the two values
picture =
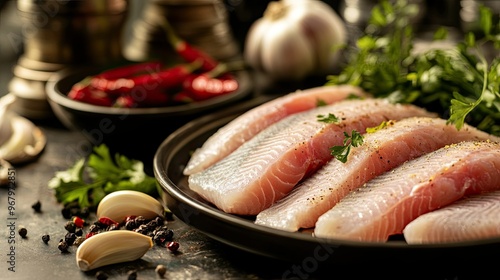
137	131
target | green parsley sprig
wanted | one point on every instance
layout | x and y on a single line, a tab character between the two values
460	83
89	180
342	152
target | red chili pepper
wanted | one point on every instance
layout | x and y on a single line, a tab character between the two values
154	81
145	99
209	84
187	51
129	70
107	221
84	93
79	222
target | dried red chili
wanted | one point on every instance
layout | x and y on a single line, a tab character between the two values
187	51
128	70
210	84
85	93
153	81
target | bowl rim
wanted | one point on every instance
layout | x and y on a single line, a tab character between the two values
54	95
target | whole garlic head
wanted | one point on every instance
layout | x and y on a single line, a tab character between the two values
295	39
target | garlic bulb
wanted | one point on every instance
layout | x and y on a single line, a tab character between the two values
20	139
295	39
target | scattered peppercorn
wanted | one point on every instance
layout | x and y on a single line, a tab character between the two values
101	275
70	226
132	275
23	232
161	270
63	246
173	246
70	238
37	206
79	232
79	240
45	238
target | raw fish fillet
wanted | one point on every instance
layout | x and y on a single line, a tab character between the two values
231	136
381	151
472	218
386	204
268	166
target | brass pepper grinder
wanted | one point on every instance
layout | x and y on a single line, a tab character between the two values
58	35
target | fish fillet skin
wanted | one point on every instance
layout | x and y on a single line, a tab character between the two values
471	218
380	152
265	168
229	137
387	203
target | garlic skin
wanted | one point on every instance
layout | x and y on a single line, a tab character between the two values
112	247
20	139
295	39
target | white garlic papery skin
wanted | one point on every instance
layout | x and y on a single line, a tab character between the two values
295	39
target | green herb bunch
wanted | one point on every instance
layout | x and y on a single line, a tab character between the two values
89	180
459	83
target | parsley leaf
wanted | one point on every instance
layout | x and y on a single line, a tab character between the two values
89	180
330	118
461	82
341	152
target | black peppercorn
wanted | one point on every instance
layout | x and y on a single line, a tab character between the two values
78	241
139	220
94	228
101	275
78	232
70	226
23	232
45	238
70	237
161	269
132	275
63	246
37	206
130	225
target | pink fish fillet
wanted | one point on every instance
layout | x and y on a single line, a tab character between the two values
381	151
268	166
471	218
387	203
231	136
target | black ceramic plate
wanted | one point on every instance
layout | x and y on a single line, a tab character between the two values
173	154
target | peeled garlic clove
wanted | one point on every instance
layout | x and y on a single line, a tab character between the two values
20	139
4	172
112	247
122	204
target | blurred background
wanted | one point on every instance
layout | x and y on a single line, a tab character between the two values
41	37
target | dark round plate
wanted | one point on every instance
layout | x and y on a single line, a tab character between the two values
241	232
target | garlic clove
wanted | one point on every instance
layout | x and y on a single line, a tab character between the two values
4	172
119	205
112	247
20	139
